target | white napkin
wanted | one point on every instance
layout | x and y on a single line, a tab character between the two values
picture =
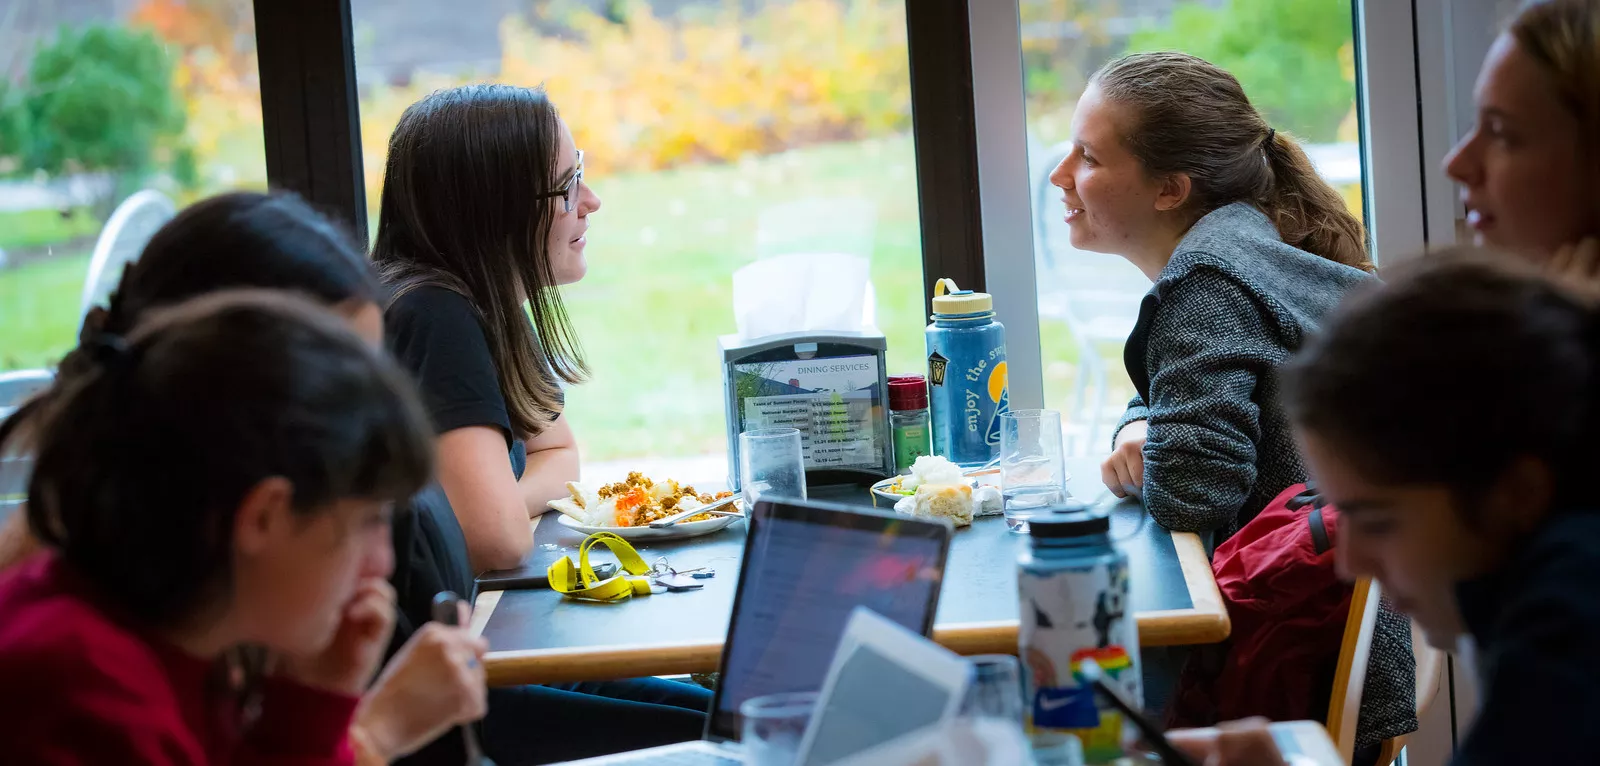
801	292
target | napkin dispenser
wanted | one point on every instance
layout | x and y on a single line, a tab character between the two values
830	386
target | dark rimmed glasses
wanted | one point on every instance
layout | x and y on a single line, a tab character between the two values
570	190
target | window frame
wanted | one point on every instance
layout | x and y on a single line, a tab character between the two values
310	113
968	129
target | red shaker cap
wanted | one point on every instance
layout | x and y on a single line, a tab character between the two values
908	392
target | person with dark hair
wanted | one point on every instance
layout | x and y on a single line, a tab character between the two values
1530	167
244	240
254	240
1474	512
172	561
484	216
1173	169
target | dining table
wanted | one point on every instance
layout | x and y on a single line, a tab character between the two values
538	636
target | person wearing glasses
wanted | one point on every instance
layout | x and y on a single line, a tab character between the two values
484	211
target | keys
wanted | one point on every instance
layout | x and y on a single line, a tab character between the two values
676	581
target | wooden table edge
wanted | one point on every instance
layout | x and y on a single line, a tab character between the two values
1204	596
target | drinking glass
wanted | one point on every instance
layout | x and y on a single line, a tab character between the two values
773	727
1056	749
771	463
996	690
1033	468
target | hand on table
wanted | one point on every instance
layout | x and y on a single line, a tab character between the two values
1123	472
348	663
1246	742
434	682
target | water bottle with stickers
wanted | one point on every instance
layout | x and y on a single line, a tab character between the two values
966	375
1072	584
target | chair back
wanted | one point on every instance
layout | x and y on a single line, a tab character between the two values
126	233
1350	676
15	468
1430	676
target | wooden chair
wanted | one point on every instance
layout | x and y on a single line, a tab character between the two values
1351	674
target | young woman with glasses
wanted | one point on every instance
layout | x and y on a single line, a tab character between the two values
483	219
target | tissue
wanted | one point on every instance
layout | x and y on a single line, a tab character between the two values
803	292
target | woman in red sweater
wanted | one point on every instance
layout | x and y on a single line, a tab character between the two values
216	496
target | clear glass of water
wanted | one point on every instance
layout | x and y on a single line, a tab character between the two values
996	690
1033	468
773	727
771	462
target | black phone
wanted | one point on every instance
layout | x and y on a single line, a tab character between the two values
523	578
1152	733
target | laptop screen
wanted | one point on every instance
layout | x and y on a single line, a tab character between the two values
807	566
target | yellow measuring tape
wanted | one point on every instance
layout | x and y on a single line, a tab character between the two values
579	581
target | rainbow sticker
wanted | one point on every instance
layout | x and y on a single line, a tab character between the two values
1114	660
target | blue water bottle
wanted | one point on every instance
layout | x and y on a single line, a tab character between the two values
966	375
1072	584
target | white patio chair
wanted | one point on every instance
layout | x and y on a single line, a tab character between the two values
121	241
15	388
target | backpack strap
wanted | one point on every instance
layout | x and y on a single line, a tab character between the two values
1319	530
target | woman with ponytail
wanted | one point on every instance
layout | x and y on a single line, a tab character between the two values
1173	169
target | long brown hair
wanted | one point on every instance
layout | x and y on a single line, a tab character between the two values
466	207
1452	368
1564	37
1193	117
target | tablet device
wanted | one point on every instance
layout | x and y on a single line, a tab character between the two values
885	682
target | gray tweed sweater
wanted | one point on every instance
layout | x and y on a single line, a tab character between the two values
1233	304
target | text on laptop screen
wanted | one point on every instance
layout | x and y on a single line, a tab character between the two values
801	581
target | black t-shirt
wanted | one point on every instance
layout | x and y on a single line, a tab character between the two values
436	334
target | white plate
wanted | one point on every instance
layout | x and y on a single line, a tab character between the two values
677	531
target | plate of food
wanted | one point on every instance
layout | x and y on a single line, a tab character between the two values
938	488
627	507
932	469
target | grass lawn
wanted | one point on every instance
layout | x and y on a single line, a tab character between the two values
662	252
39	310
38	228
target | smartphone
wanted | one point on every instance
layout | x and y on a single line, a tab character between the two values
1153	735
1301	743
532	577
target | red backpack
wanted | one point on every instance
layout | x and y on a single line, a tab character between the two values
1288	609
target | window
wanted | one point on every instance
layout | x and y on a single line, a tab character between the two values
1296	62
716	134
100	101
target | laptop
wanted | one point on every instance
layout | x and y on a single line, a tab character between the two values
807	567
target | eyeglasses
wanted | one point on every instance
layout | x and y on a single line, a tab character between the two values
570	190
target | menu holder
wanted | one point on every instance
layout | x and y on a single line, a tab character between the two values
831	387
